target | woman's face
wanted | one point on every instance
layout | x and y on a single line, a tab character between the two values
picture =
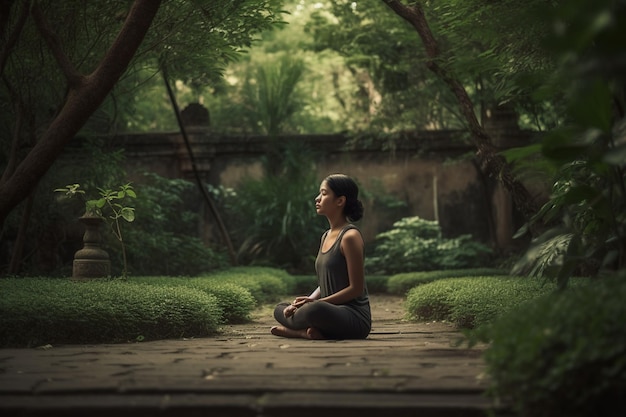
325	201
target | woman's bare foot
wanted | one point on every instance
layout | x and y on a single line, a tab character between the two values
314	334
286	332
310	333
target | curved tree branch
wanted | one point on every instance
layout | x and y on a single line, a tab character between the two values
492	162
82	100
54	43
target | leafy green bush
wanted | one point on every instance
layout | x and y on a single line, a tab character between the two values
52	311
583	157
266	285
238	290
469	302
164	238
564	354
401	283
415	244
235	301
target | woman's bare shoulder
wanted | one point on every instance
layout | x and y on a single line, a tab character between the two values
352	236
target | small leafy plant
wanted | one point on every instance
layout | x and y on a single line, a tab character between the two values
110	206
415	244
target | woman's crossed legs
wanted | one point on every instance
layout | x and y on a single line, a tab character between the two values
318	320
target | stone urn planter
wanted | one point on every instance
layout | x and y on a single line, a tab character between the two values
91	261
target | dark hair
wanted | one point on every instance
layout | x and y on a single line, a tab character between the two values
342	185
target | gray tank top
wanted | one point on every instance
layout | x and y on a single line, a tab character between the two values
332	276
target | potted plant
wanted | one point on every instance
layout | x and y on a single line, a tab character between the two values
108	208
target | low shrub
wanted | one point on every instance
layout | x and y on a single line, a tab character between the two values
304	284
38	311
400	284
564	354
469	302
267	285
416	244
235	301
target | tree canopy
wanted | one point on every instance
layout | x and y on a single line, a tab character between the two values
61	59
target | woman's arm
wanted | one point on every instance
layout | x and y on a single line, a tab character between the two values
315	294
352	248
300	301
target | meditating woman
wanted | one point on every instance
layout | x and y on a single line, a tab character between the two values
339	308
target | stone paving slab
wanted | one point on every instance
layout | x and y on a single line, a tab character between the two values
402	365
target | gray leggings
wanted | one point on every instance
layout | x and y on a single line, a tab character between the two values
333	321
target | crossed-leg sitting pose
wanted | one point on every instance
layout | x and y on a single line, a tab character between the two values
339	308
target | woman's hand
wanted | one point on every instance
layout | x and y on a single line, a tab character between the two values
296	304
289	310
302	300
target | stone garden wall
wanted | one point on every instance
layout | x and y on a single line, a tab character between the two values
432	172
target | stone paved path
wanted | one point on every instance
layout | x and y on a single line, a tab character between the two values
402	368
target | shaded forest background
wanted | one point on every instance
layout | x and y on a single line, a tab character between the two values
369	68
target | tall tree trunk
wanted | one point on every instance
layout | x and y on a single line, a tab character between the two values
84	96
20	241
491	162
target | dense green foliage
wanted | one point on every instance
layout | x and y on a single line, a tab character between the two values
273	218
415	244
36	312
195	40
584	156
401	283
470	302
164	239
39	311
563	354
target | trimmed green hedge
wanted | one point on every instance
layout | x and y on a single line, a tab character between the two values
400	284
37	311
563	354
469	302
267	285
235	301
